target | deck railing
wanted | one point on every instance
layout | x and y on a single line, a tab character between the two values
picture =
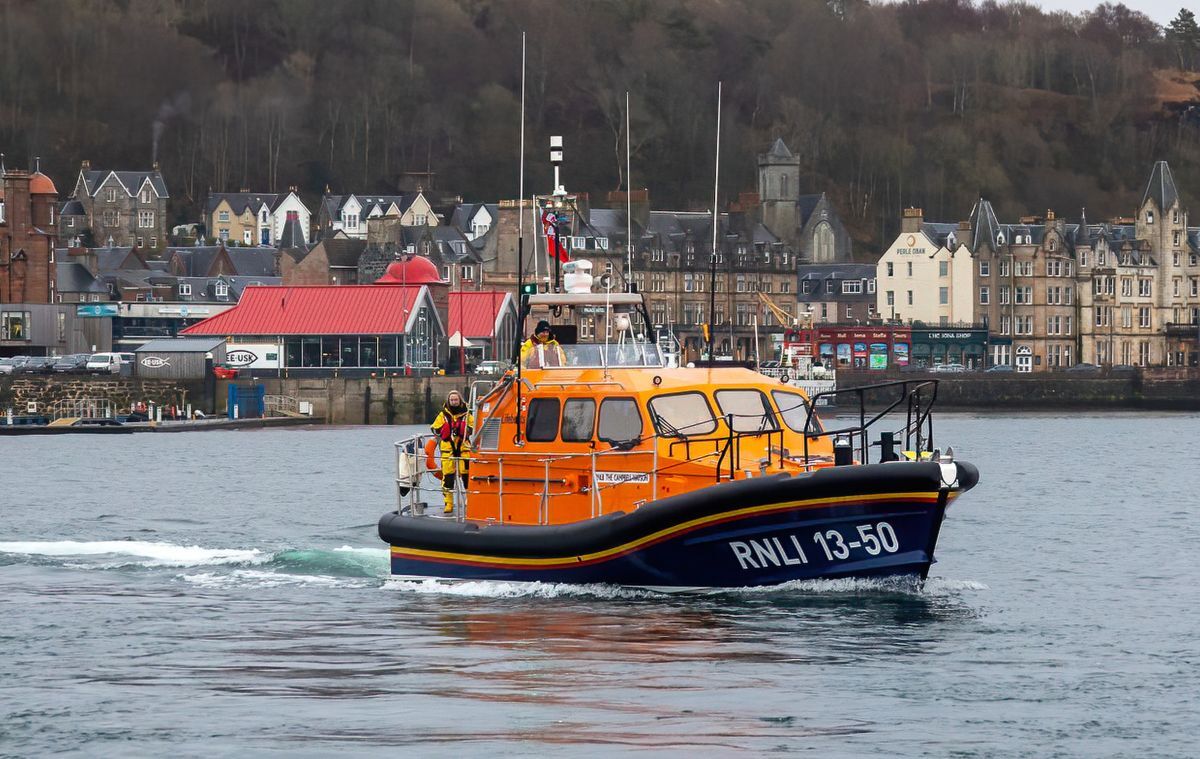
914	398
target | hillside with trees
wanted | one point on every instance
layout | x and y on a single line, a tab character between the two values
924	102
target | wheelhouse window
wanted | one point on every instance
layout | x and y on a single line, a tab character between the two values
542	424
793	408
578	417
620	420
682	415
749	410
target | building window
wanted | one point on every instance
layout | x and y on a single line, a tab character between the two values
891	268
420	219
1004	268
139	242
153	242
891	297
223	216
70	221
1144	318
351	220
943	268
110	195
851	287
224	234
910	268
112	218
1149	217
1024	294
984	295
147	196
1144	287
1005	325
870	285
468	272
145	219
185	288
1083	258
1144	353
786	286
1024	268
985	268
14	325
910	298
221	290
943	296
1004	294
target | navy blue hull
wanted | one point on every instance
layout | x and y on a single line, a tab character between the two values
742	537
766	550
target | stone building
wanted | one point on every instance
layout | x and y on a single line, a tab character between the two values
256	218
808	224
1139	282
27	241
116	208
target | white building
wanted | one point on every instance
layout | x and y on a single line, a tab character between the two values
925	275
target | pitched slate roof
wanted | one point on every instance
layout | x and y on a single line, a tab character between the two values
779	149
240	201
806	205
317	310
343	252
293	234
985	227
73	277
132	181
72	208
253	262
1161	187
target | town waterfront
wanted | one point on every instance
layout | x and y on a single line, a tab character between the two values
225	594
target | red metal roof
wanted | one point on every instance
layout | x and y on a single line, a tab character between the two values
476	311
318	310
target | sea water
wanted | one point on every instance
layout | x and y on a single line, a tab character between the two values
225	594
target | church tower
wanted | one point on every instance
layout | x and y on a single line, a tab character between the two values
779	191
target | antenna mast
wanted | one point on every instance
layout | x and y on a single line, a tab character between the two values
712	289
628	206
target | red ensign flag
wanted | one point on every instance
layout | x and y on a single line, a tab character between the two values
554	246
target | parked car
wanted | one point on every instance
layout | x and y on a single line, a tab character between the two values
74	363
108	363
36	365
951	368
1000	369
491	367
9	364
1124	369
1084	369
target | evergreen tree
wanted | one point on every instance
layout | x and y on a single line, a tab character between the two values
1184	34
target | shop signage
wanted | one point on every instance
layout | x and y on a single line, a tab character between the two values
240	357
95	310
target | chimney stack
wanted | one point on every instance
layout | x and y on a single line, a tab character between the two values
85	165
912	220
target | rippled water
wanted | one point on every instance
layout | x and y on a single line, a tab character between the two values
224	593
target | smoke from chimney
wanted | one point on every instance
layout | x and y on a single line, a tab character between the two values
169	109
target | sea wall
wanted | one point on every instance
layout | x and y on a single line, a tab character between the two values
1173	389
384	400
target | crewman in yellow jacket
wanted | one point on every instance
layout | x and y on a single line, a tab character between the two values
541	349
453	429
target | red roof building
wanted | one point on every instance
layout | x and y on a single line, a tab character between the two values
487	319
329	326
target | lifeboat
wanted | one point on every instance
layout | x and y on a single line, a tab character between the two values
611	466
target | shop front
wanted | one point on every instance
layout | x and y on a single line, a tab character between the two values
933	347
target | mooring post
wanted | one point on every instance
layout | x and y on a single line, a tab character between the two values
367	404
391	404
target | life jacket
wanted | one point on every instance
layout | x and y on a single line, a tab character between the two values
453	429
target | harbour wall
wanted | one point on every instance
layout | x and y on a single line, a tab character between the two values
1164	389
415	400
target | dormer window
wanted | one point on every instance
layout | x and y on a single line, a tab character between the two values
1000	238
147	196
222	290
185	289
110	195
1149	217
1051	244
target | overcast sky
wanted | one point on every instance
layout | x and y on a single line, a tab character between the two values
1161	11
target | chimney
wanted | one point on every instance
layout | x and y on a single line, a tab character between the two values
1049	214
85	165
155	167
912	219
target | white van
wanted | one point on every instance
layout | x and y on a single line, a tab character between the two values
108	363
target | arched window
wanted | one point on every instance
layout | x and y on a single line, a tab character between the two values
823	244
783	186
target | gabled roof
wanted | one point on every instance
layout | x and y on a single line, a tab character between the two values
132	181
806	205
318	310
1161	187
180	345
240	201
253	262
72	208
475	313
343	252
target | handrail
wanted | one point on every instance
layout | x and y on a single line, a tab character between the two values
918	414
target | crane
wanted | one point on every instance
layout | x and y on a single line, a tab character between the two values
785	319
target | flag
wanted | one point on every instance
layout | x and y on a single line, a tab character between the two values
554	246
